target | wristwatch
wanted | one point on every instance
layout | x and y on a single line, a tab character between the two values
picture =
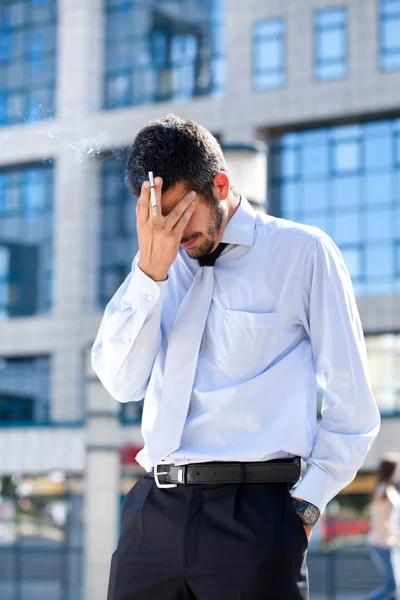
307	512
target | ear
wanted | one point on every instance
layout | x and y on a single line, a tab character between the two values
222	185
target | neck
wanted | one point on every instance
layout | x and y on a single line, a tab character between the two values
233	202
231	205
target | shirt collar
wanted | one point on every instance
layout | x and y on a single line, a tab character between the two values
240	228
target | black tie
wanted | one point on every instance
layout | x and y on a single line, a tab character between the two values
209	260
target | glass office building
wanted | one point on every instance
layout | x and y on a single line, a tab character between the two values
163	50
346	181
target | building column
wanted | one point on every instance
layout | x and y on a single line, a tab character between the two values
79	93
101	487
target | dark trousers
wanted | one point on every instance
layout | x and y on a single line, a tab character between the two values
209	542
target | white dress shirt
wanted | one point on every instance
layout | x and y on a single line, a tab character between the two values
283	315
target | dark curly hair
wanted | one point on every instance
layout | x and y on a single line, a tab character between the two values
177	150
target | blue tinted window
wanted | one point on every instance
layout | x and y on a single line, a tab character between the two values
346	227
26	198
389	34
315	159
352	256
346	191
346	181
27	60
379	262
24	389
268	54
315	196
118	227
397	258
289	199
330	44
346	156
378	224
155	55
378	189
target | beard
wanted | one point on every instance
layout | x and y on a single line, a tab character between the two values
213	229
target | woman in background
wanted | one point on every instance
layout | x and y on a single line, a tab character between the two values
385	534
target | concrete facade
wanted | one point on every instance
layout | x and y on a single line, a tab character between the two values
240	116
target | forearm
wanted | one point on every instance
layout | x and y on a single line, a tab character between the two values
129	337
350	418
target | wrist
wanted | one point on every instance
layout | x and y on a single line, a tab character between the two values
153	274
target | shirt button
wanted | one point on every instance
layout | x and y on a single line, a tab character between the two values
149	297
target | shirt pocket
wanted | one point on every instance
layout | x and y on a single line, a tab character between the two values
247	342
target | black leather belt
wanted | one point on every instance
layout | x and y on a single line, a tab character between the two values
285	470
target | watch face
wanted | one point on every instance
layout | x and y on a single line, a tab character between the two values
307	513
310	515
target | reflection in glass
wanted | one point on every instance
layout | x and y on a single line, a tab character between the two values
27	61
24	389
161	51
26	235
41	537
346	181
118	228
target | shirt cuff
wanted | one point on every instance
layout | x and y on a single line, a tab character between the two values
316	486
143	293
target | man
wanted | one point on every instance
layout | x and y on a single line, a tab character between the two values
225	324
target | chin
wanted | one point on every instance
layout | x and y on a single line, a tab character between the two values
194	253
201	251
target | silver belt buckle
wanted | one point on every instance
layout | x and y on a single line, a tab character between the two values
157	473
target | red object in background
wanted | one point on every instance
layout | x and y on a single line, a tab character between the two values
128	454
334	528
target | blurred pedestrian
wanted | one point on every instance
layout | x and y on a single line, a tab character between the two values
223	326
384	537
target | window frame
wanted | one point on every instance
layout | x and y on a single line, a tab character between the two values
293	199
28	109
17	178
111	72
318	29
280	39
383	51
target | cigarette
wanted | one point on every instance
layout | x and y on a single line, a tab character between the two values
152	194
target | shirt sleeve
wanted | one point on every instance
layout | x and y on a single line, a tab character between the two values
350	418
129	337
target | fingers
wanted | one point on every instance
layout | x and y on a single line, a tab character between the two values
157	193
177	212
184	219
142	208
